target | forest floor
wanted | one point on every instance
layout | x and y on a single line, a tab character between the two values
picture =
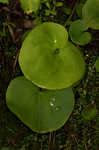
81	132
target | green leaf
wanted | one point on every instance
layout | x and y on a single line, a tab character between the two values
49	60
78	34
4	1
90	13
97	64
41	110
59	4
30	6
48	12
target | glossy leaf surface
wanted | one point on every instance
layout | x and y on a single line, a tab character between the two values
90	13
41	110
30	6
49	60
78	34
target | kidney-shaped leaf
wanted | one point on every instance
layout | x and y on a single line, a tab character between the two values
41	110
78	34
30	5
48	60
90	13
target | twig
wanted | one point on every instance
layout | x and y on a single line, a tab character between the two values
15	62
86	147
75	139
51	141
12	34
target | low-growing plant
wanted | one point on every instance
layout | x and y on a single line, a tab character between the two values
90	14
78	34
30	6
49	60
41	110
90	19
43	99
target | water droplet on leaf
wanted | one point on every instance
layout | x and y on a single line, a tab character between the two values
57	108
51	104
55	41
